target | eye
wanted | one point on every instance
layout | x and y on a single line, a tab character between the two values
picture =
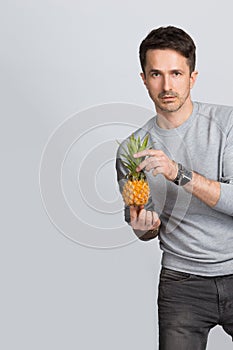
176	74
155	74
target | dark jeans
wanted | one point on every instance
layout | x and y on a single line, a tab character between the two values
189	306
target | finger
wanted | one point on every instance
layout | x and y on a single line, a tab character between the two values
149	219
158	170
156	221
148	163
142	217
153	164
133	213
155	217
146	152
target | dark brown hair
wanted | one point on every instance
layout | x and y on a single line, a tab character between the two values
169	38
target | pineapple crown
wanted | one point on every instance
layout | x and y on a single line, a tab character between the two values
134	146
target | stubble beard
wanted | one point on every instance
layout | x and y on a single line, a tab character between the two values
170	106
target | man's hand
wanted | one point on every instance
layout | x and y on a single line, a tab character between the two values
159	162
207	190
144	222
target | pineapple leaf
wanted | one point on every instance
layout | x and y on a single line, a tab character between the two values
134	145
145	142
130	161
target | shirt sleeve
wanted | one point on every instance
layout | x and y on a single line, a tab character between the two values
225	202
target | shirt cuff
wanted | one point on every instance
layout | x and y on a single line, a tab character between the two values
225	202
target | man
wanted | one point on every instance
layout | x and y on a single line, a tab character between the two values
190	174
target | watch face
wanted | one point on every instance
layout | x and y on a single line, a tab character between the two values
184	180
186	176
183	176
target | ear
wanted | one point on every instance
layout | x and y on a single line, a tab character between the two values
193	78
143	78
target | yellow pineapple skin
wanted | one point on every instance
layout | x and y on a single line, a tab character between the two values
136	192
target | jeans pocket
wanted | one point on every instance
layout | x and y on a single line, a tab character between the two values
168	275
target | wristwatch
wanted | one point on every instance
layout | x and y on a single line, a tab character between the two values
183	176
146	236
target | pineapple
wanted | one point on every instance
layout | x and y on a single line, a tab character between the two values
136	190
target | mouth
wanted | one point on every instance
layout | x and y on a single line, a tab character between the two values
168	98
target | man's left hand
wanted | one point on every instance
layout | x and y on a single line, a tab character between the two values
159	162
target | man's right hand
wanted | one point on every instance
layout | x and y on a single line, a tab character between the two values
144	222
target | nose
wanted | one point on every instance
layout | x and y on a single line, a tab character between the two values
166	83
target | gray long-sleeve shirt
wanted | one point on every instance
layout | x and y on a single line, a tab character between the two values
194	237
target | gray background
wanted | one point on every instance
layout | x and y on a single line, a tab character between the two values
58	58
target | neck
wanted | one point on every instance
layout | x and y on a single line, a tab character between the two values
171	120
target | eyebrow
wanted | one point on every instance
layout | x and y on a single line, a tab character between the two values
155	71
171	71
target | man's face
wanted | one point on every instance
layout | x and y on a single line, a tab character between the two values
168	80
